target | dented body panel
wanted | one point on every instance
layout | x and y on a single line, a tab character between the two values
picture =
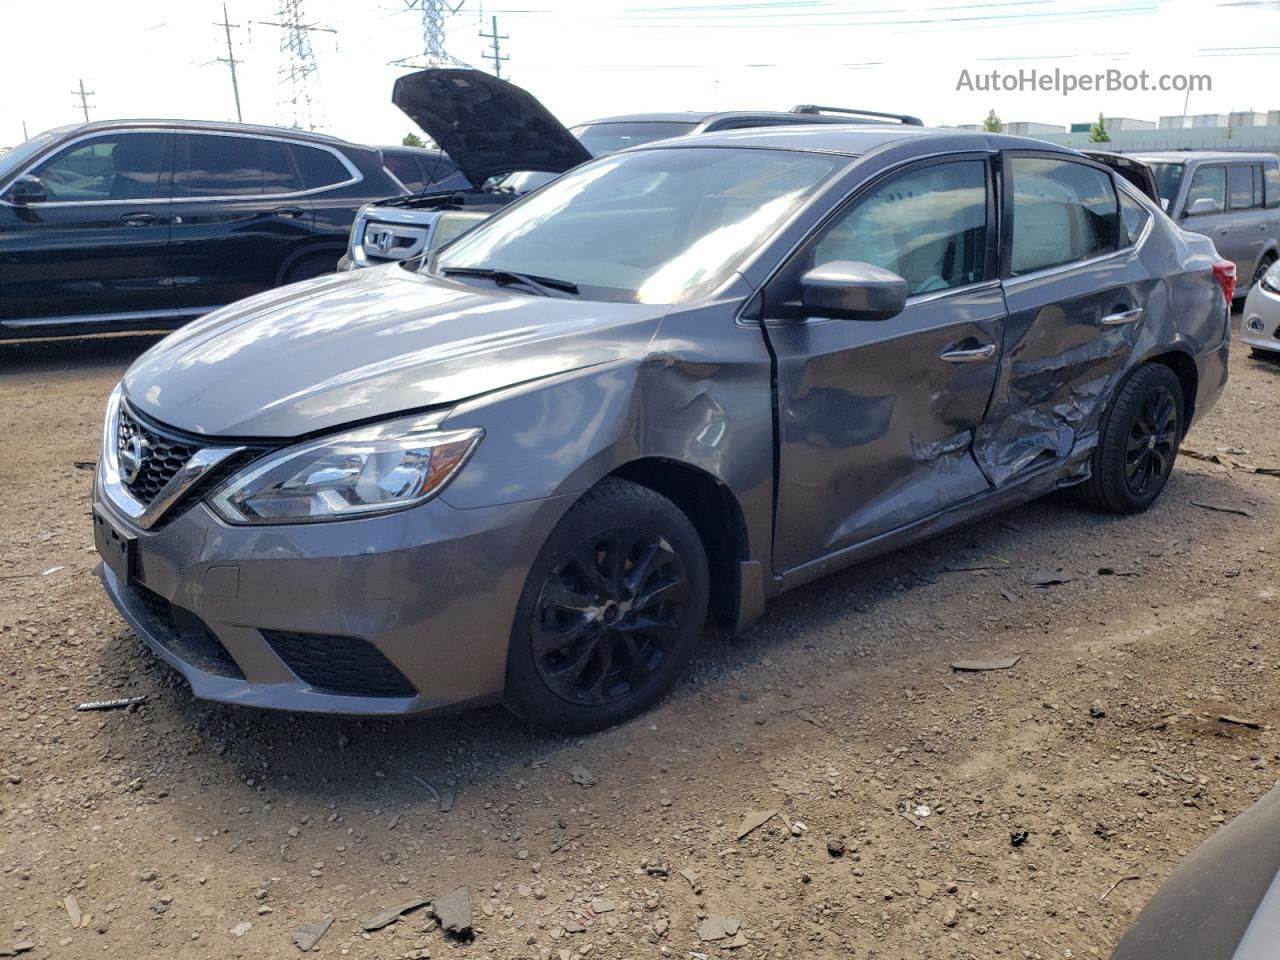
820	441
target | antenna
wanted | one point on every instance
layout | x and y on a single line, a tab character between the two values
496	56
230	59
297	66
84	96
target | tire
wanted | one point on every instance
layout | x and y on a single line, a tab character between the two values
584	654
1261	272
1148	404
312	265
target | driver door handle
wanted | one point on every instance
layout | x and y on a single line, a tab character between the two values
291	213
139	219
969	355
1124	316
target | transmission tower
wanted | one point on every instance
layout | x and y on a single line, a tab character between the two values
299	108
434	13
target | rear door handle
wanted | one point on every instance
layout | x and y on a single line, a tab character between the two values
139	219
969	355
288	212
1123	316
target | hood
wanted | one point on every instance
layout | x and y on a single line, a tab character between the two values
371	343
487	126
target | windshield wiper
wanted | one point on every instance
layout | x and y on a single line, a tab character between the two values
506	278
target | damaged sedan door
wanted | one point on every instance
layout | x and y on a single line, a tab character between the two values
1076	290
876	415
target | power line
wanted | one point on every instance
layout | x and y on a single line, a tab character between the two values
298	65
84	96
230	59
434	13
497	56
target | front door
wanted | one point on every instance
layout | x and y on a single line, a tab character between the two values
1238	226
239	213
876	418
97	248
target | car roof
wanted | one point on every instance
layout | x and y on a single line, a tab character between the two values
697	117
1177	156
432	152
855	139
95	126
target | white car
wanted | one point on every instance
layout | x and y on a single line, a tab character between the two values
1260	322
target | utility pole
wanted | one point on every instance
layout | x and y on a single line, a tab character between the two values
434	13
84	96
230	59
298	65
496	56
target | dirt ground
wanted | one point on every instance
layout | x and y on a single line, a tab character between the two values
189	830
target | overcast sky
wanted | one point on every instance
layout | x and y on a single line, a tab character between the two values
589	58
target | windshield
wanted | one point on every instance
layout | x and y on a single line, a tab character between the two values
16	158
1168	176
655	226
602	138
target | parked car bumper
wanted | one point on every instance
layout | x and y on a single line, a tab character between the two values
1260	321
405	613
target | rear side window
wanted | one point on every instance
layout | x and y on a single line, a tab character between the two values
1209	182
1240	186
319	167
929	226
1062	212
228	166
1271	176
124	166
1133	218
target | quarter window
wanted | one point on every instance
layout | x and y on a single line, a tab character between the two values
1209	182
319	168
1271	173
929	226
1133	218
1062	212
1240	186
130	166
222	166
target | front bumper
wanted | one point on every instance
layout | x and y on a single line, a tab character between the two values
1260	320
405	613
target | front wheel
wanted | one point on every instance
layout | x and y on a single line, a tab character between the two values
1138	442
611	612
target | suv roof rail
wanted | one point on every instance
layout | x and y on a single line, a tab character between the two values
815	109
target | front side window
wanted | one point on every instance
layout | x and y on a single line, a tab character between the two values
223	166
125	166
406	170
1240	186
1209	182
655	226
1063	211
929	226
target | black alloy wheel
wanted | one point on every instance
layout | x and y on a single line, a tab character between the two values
1153	440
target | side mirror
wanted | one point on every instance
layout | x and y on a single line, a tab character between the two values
853	290
1201	206
27	189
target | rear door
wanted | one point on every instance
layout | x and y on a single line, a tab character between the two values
239	212
98	248
1076	290
876	419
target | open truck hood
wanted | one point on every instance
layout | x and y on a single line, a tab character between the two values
487	126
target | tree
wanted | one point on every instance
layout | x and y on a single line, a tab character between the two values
411	140
1098	132
992	124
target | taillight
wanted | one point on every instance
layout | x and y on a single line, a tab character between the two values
1225	271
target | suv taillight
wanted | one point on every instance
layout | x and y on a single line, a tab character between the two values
1225	271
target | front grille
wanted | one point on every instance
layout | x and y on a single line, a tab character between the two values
165	456
183	634
342	665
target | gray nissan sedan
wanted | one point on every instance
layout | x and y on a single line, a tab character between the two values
639	402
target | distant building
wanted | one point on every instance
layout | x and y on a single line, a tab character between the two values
967	126
1028	128
1114	124
1247	118
1178	121
1209	120
1081	127
1273	118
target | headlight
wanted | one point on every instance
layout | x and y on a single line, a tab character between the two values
375	469
1271	279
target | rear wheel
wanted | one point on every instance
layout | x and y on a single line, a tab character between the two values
312	265
611	613
1138	442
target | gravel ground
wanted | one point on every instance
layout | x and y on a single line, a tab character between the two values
898	787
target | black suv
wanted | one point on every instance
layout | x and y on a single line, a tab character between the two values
140	224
